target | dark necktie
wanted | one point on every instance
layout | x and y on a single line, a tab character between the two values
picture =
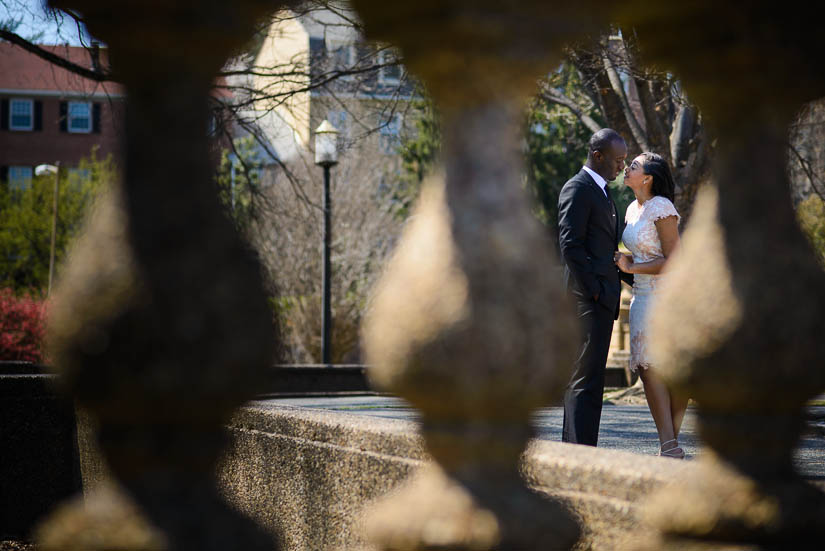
612	211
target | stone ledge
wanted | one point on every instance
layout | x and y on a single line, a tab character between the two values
307	474
583	469
393	437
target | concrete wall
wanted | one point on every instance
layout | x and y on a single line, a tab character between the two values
306	475
38	453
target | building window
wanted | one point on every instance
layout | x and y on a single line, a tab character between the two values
344	58
20	177
390	132
80	117
390	73
21	114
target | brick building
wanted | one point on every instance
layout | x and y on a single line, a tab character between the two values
49	114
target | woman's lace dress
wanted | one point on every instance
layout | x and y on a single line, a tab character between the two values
642	239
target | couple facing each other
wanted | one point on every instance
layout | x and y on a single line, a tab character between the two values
589	235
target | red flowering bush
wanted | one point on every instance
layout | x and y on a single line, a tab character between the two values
22	327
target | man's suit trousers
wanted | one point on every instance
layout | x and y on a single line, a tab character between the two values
584	395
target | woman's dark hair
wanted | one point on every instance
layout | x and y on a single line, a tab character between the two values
655	165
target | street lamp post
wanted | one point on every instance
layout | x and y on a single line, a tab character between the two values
39	171
326	155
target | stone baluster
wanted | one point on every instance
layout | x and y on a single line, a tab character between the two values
470	323
739	324
160	325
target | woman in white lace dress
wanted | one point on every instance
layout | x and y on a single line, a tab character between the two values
651	235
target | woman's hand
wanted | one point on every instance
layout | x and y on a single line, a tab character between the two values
623	261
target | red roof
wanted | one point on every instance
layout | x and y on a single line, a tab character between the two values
25	71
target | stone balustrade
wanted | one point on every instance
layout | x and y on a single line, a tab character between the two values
161	329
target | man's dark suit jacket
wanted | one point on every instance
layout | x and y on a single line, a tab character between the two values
589	233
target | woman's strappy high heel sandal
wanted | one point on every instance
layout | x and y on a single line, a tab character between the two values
675	452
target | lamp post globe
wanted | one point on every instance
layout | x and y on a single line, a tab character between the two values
326	155
326	144
40	170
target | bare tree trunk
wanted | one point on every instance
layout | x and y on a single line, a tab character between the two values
666	122
617	86
655	114
598	88
691	155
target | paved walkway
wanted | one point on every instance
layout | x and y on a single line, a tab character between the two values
628	428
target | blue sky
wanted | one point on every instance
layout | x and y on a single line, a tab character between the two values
35	21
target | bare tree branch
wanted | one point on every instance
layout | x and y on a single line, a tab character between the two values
657	135
683	131
554	96
667	124
618	88
594	79
810	173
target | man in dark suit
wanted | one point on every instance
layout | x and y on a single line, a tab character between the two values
589	233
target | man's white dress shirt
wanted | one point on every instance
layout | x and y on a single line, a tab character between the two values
602	183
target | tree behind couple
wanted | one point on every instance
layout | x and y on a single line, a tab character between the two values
589	235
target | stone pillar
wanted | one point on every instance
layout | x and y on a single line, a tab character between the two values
160	326
470	323
739	324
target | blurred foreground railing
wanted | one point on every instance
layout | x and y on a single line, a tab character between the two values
161	329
